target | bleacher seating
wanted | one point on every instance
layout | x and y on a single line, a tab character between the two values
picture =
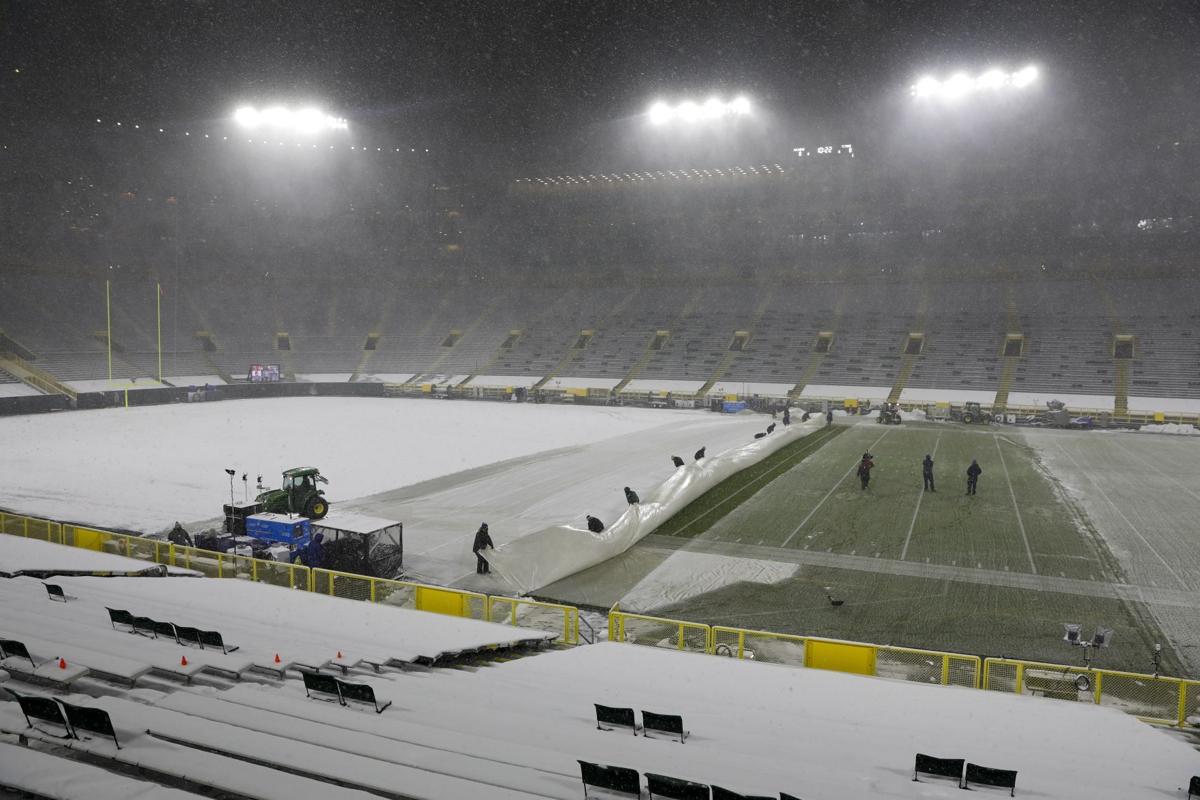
1068	327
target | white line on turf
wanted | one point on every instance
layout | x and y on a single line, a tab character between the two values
917	510
1100	491
829	494
1016	508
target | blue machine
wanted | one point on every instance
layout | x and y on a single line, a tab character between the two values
732	407
279	528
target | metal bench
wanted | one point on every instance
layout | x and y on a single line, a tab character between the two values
615	717
663	723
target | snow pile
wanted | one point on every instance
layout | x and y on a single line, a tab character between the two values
31	555
555	552
912	416
1172	428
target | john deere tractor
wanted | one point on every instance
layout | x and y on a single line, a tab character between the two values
299	494
971	414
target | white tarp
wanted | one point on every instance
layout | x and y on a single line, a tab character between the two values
553	553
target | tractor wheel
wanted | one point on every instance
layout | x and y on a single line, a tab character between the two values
968	418
316	507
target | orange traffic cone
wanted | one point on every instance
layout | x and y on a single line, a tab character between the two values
183	661
277	659
339	653
62	663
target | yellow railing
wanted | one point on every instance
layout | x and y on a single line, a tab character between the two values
1159	700
405	594
676	634
31	527
553	617
883	661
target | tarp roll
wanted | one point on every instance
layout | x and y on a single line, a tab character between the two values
553	553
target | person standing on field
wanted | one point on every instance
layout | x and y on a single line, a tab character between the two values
483	540
927	473
864	470
973	473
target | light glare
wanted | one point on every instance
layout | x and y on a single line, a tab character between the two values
307	121
960	84
689	111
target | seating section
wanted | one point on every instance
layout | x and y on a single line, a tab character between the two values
423	333
375	721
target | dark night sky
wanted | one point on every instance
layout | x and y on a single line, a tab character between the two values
534	71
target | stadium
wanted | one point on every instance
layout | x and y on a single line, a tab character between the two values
601	414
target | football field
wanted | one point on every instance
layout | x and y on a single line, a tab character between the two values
993	574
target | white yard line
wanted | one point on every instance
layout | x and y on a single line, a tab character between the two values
828	494
1121	514
1016	507
920	497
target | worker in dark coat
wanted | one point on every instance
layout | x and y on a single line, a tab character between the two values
594	524
483	540
631	497
829	417
179	536
787	416
927	473
864	469
973	473
312	554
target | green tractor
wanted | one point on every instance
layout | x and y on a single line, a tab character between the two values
971	414
299	494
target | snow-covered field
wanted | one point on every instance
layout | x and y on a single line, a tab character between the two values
441	468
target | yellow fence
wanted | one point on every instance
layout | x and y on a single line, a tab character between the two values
898	663
31	527
1160	700
553	617
658	631
404	594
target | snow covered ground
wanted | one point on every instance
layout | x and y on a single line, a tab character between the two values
17	390
1138	492
441	468
18	553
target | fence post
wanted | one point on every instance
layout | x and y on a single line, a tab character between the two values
1020	678
1099	677
254	569
372	590
945	669
1181	712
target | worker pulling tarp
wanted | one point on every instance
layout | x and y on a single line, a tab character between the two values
553	553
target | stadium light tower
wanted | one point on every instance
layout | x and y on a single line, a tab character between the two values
691	112
281	119
960	85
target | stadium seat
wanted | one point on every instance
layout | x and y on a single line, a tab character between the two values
44	709
167	630
663	723
327	685
92	720
11	648
145	626
119	616
187	635
213	639
619	717
55	592
986	776
939	767
1194	787
676	788
360	693
621	780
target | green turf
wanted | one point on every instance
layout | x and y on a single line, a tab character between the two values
712	506
1019	522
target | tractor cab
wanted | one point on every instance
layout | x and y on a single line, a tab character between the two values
298	495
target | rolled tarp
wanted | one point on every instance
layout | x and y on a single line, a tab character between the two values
553	553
